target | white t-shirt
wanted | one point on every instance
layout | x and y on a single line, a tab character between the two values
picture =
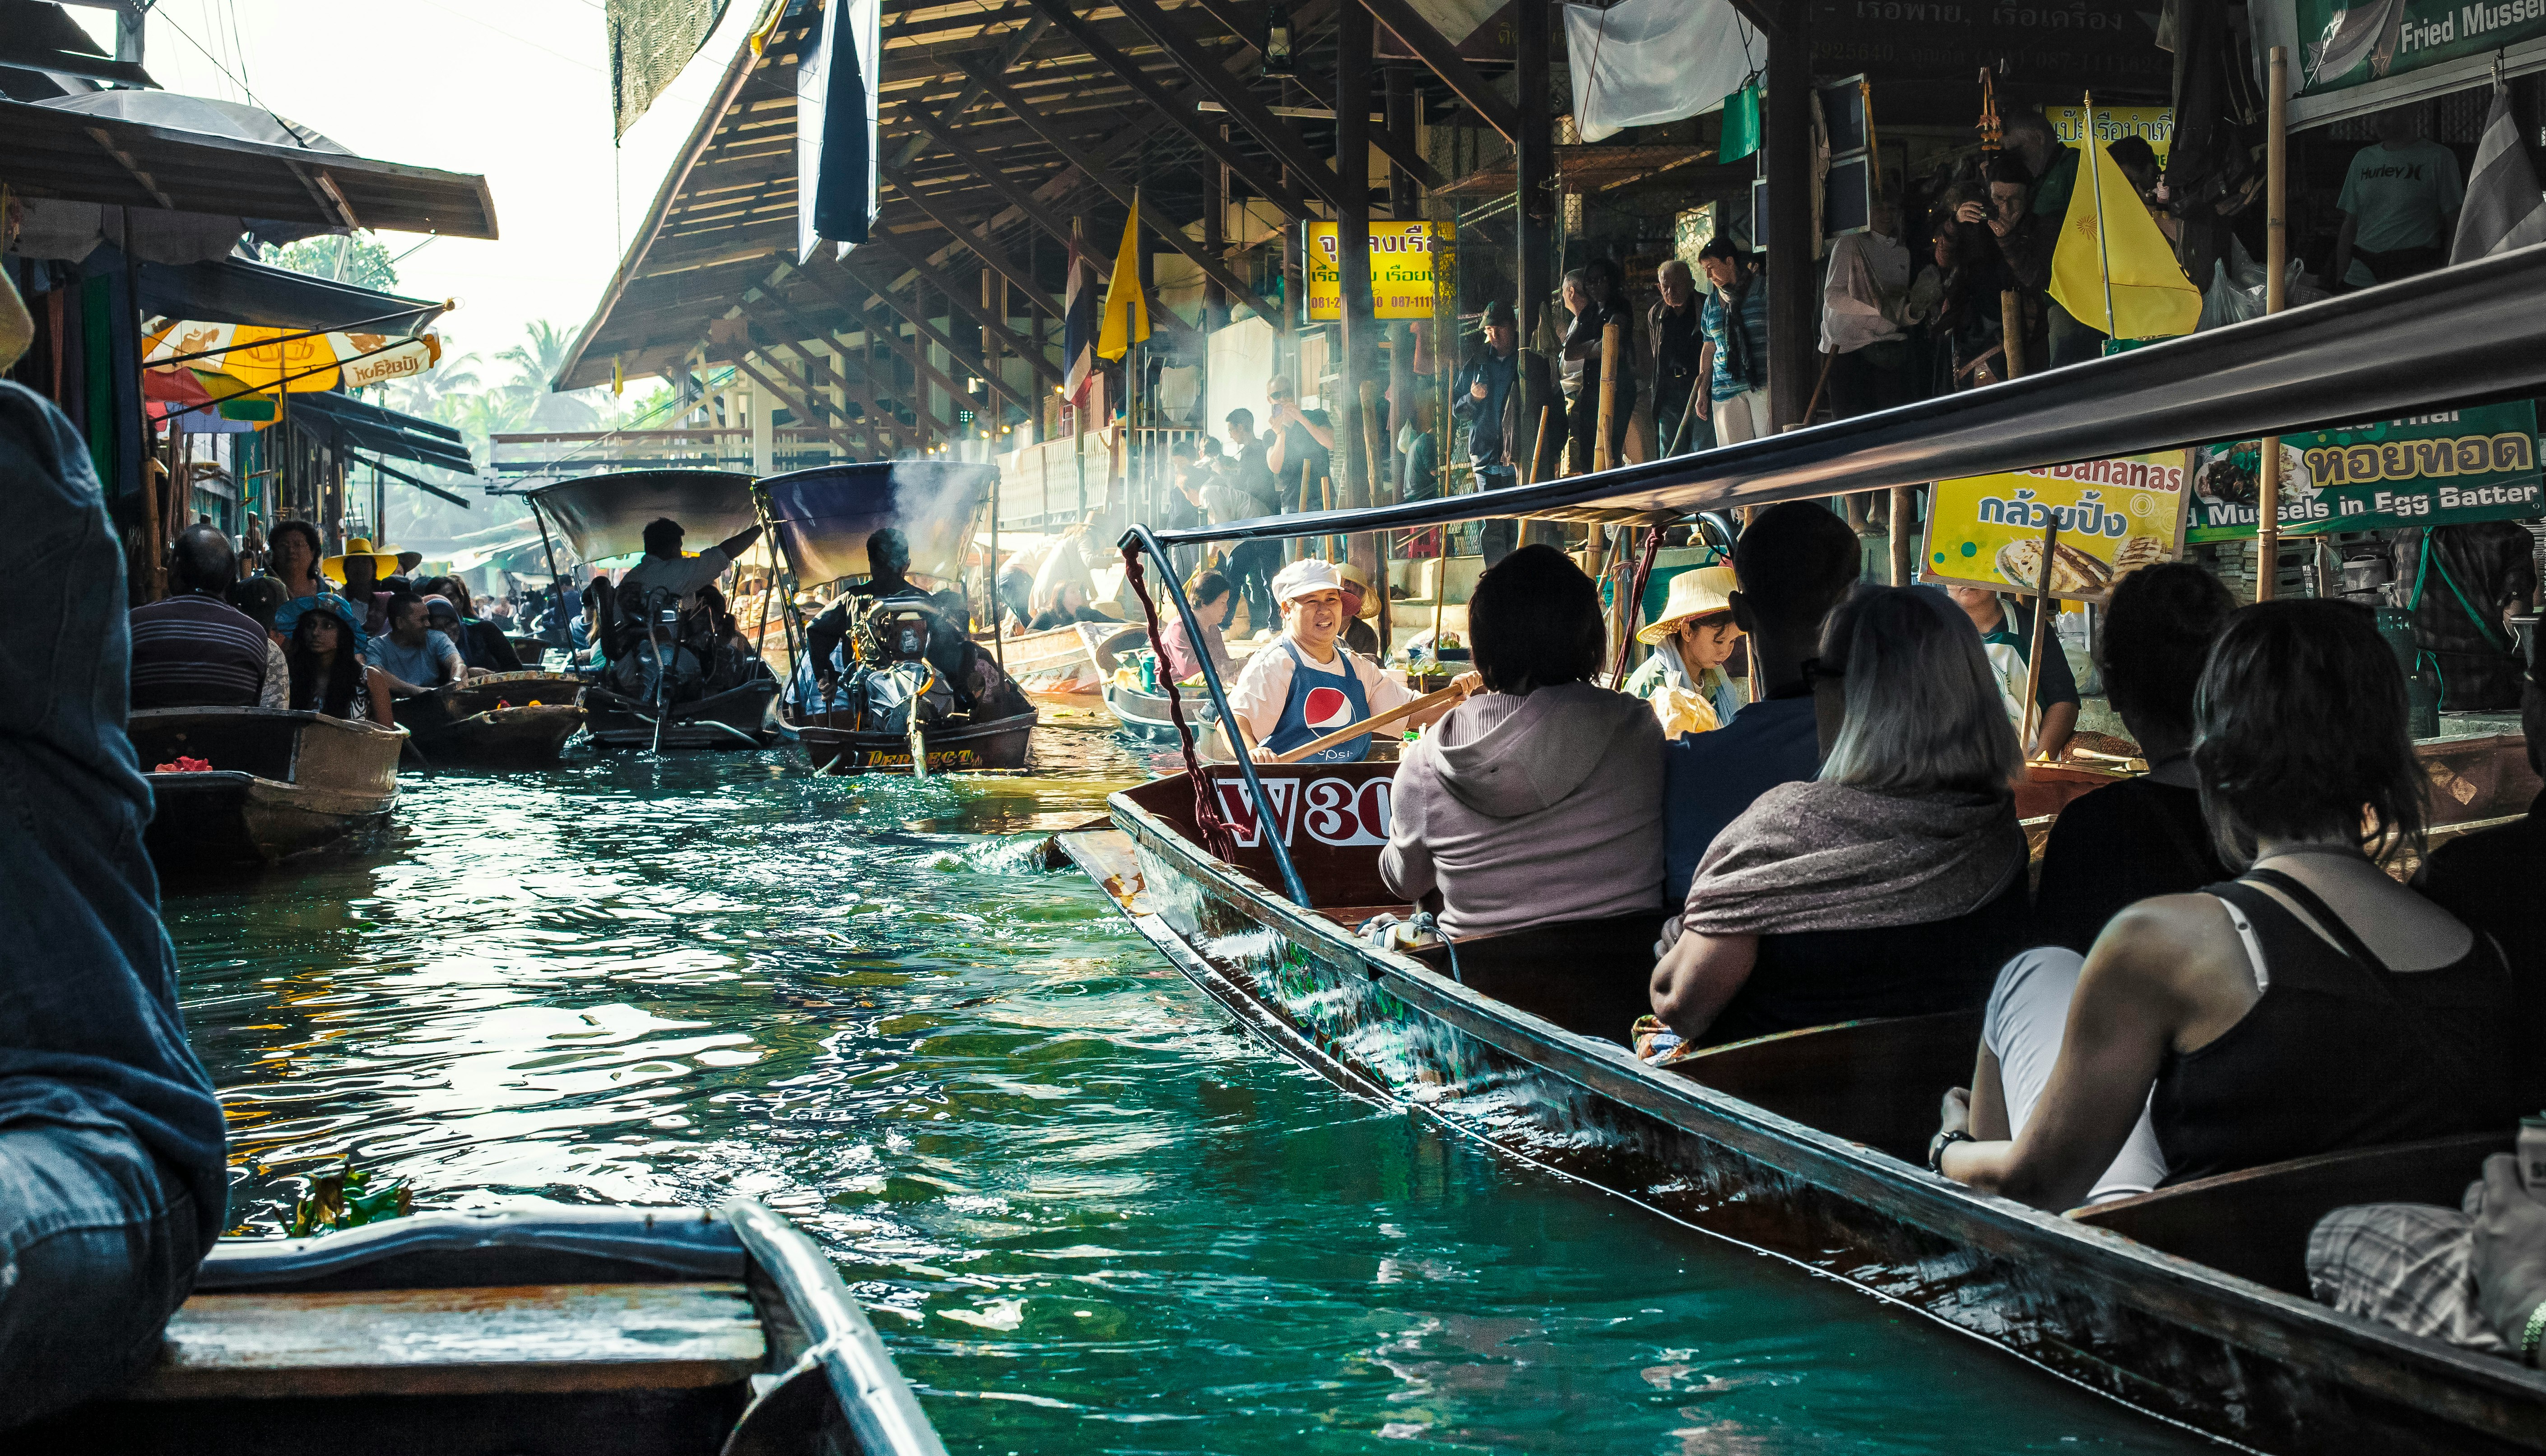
1264	685
681	577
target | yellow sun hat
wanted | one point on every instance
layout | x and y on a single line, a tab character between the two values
383	562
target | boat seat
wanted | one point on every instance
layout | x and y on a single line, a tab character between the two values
2254	1224
1875	1082
542	1338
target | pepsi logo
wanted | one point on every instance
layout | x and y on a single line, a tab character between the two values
1327	708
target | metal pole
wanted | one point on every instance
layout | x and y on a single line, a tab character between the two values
2276	267
557	580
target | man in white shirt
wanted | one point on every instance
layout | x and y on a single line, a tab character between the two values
665	569
1306	684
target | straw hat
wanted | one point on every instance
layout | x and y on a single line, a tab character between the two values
384	562
1369	599
1692	594
1303	576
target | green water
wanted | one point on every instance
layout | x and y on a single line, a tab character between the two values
1087	1214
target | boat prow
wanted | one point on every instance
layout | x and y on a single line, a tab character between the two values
548	1331
511	720
737	718
279	783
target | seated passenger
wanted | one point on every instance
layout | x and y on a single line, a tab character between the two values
1306	684
360	569
2474	1276
294	553
483	644
1892	883
1360	606
1213	600
1530	817
2144	836
2310	1006
1064	604
413	657
1795	562
1694	636
448	617
112	1178
328	673
192	649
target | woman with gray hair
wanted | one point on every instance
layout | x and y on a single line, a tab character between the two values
1891	884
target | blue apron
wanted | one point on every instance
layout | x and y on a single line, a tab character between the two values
1292	729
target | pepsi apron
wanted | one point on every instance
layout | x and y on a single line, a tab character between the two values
1320	703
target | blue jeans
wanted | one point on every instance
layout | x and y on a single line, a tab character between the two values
97	1248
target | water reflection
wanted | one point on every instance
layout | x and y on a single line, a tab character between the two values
1088	1213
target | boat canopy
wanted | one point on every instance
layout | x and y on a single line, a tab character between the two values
825	515
605	516
2461	335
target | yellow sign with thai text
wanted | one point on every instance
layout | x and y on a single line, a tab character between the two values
1400	268
2115	516
2154	124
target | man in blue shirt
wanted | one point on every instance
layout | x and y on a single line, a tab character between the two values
1734	358
1794	562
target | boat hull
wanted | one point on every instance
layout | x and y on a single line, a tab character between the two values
2253	1364
737	718
1057	663
464	726
281	783
1001	744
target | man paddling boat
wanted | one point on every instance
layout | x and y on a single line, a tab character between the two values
1308	685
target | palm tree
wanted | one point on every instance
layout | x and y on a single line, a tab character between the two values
535	362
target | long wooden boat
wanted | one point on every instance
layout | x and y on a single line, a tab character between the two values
737	718
281	783
2186	1303
511	720
546	1332
836	746
1059	663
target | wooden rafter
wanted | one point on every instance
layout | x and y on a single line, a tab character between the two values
978	241
1445	61
961	300
1026	204
1398	150
1272	130
827	281
875	283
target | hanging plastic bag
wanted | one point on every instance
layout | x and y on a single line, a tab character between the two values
1741	125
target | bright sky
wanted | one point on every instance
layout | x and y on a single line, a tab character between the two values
515	90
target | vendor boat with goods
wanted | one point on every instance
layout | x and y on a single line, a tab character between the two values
503	720
245	786
888	678
2190	1302
668	1330
674	671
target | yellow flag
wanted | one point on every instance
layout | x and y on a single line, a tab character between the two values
2111	247
1127	310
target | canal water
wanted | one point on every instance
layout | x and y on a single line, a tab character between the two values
1086	1213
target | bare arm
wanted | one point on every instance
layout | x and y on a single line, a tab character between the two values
1698	977
2059	722
736	544
1705	385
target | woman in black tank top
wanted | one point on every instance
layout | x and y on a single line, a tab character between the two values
2310	1005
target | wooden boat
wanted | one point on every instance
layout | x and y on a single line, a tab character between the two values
836	747
2186	1303
1059	663
281	783
511	720
531	649
546	1332
737	718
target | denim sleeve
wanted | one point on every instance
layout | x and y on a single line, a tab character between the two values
89	1029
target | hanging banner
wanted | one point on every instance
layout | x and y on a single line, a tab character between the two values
2115	516
2154	124
2432	470
2349	60
260	357
1400	268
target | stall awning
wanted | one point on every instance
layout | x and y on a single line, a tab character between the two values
79	157
236	290
341	423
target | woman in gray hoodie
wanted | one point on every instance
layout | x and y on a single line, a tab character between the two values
1529	819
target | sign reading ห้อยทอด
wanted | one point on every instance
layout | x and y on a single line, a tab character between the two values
2115	516
1400	268
2435	470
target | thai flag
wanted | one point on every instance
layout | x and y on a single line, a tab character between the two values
1078	329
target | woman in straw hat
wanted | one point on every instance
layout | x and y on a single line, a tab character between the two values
1361	607
1692	639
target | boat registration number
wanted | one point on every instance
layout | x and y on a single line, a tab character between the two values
1330	810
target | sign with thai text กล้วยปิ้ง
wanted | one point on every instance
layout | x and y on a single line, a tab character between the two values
2433	469
1400	268
2115	516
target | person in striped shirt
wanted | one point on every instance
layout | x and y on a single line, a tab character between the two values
192	649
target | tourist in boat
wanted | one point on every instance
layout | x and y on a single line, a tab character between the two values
359	571
482	644
328	673
413	657
1306	684
1068	603
1213	600
260	598
664	568
1360	606
1529	819
1795	562
2009	636
113	1176
192	648
2143	836
2311	1005
1892	883
1694	636
2474	1276
293	560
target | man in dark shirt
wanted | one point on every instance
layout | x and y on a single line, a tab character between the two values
112	1169
1794	562
1679	349
1253	492
1302	441
1499	391
1585	294
2490	879
192	649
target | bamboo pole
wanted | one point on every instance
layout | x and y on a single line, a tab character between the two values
2010	316
2276	266
1905	504
2043	608
1612	344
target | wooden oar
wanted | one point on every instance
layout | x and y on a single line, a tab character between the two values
1351	731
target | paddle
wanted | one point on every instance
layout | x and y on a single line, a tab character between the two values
1351	731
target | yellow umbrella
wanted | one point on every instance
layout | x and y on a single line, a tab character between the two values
295	359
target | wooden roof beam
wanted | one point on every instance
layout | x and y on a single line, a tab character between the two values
1208	74
1027	205
978	241
1396	148
956	296
1444	60
927	329
918	357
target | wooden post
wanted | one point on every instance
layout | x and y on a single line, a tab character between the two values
1613	336
2043	610
2276	267
1533	166
1905	542
1793	281
1356	469
2011	315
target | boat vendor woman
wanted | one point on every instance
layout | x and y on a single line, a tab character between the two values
1684	679
1307	685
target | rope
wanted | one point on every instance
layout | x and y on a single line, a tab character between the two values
1217	836
1634	604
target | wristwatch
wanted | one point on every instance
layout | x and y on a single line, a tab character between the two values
1942	1141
